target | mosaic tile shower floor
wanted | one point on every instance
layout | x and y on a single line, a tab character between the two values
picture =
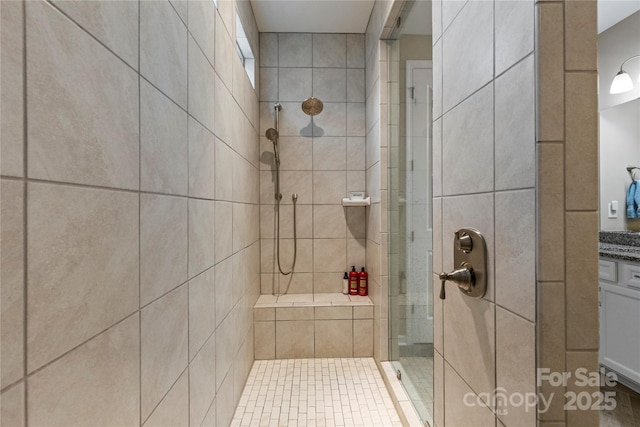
315	392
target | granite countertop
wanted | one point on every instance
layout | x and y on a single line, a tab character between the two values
621	245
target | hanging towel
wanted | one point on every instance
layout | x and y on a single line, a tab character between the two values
633	200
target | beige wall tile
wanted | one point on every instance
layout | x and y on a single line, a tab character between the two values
202	382
515	216
12	406
329	187
581	281
223	230
470	351
514	32
67	64
265	340
95	384
202	17
12	90
202	165
550	202
551	343
468	128
329	153
224	51
93	280
334	313
223	171
201	235
329	255
12	273
327	283
296	283
295	339
224	404
515	125
224	295
268	50
334	338
329	221
363	312
588	361
363	338
164	147
516	365
302	313
202	89
173	410
114	24
163	245
264	314
581	36
295	50
581	145
332	121
226	347
355	51
163	41
550	76
202	310
468	44
164	350
329	50
456	412
436	171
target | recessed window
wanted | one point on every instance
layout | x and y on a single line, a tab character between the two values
244	50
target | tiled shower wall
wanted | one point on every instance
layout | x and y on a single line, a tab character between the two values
484	177
505	156
321	159
130	246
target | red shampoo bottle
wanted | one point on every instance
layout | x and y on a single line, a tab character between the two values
353	281
363	283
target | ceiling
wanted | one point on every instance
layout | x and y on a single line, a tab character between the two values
312	16
611	12
352	16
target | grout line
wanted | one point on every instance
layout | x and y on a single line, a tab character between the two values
25	206
139	222
189	360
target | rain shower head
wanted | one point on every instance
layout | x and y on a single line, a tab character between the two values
312	106
272	135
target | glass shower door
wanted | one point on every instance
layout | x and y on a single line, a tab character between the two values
410	277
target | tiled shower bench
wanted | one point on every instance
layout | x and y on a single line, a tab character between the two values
313	326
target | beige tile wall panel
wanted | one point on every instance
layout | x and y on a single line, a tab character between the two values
163	40
12	90
163	245
96	384
12	406
164	145
202	382
115	24
95	99
12	288
164	346
82	265
173	410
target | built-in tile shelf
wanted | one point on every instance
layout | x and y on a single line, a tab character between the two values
313	326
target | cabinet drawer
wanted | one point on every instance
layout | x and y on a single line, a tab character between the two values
607	271
630	275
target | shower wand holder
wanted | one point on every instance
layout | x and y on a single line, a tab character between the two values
470	262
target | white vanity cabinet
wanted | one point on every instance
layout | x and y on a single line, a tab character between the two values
620	318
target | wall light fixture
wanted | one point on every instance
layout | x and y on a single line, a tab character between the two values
622	81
